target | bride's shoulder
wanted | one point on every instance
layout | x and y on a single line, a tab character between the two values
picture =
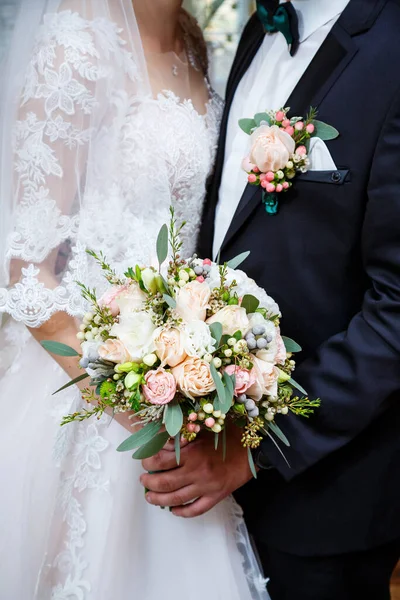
192	28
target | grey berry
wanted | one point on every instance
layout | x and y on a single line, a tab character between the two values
251	343
198	270
206	268
259	330
262	343
269	339
242	399
250	405
253	413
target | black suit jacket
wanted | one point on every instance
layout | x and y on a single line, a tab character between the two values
331	258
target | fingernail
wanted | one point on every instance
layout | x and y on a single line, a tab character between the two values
148	499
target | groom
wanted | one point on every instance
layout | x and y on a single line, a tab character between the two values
327	527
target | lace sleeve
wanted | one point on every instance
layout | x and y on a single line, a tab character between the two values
62	104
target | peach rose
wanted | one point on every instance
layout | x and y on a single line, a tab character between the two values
271	148
244	378
160	387
192	301
169	346
266	383
114	351
193	378
131	299
109	298
232	318
281	354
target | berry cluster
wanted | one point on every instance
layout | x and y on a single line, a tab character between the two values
258	338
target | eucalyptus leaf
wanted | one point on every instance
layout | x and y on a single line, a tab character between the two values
216	332
162	244
224	444
229	381
59	349
152	447
169	300
70	383
291	345
247	125
260	117
140	437
251	463
173	418
324	131
216	441
279	433
296	385
219	385
279	449
250	303
177	445
234	263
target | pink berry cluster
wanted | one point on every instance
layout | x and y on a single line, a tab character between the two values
301	130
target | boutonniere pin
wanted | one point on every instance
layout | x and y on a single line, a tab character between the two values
279	150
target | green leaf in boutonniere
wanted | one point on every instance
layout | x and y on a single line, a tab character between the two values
260	117
324	131
247	125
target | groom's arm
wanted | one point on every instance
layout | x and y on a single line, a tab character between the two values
356	372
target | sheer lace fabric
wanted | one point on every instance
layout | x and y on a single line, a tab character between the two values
97	160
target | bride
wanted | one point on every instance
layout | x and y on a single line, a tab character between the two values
107	119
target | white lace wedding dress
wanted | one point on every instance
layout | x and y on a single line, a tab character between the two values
74	523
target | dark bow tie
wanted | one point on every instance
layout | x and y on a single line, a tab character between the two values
280	17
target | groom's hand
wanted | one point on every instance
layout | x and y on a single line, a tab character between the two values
203	478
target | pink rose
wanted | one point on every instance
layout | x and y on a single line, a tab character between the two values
266	383
244	378
271	149
114	351
192	301
169	346
160	387
281	354
109	298
193	378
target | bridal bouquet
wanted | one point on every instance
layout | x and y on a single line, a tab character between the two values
185	349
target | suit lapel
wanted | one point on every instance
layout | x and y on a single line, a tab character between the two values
333	57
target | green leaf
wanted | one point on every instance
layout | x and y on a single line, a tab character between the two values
169	300
262	117
237	335
251	463
177	444
140	437
76	380
173	418
250	303
279	433
152	447
59	349
247	125
162	244
219	385
291	345
234	263
324	131
224	444
216	332
216	440
296	385
230	387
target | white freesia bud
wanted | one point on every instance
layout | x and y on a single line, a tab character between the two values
183	275
150	360
149	280
132	379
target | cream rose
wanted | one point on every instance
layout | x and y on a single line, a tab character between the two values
109	298
193	378
136	331
169	346
114	351
192	301
271	148
266	383
131	299
232	318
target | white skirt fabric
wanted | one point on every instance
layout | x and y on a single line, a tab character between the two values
74	524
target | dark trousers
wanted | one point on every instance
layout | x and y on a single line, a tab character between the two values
362	575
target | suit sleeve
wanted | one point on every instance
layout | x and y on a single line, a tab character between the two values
356	373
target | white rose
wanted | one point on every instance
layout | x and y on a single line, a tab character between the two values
136	332
192	301
232	318
197	339
131	300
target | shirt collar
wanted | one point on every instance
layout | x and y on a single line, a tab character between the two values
314	14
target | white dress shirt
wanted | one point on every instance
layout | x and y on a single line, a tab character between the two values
267	85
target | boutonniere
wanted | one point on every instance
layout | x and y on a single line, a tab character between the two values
279	150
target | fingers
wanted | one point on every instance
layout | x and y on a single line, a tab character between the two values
165	482
163	461
177	498
170	445
197	508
